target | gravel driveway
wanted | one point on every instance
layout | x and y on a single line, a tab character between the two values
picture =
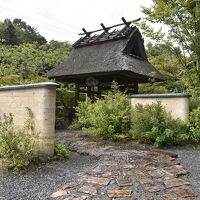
190	159
134	171
42	183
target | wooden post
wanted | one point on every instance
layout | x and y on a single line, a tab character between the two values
99	92
89	94
135	88
77	94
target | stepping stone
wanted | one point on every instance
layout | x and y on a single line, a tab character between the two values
59	193
175	182
176	170
119	193
185	192
145	180
95	180
156	173
133	172
88	190
123	182
110	174
152	188
169	197
170	163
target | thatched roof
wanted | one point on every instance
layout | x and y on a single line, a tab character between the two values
119	52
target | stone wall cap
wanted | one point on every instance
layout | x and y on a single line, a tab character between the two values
166	95
27	86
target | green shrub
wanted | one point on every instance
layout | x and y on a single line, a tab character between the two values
195	125
17	144
195	98
60	150
153	125
14	79
106	117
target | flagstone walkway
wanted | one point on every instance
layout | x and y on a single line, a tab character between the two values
124	171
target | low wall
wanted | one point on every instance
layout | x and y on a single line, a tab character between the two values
177	103
40	98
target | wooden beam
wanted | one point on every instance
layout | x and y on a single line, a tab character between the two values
104	28
99	92
85	32
89	91
127	23
77	94
135	88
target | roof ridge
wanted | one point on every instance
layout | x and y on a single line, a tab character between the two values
125	32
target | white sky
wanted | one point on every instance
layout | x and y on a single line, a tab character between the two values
63	19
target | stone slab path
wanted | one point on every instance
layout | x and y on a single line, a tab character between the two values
124	171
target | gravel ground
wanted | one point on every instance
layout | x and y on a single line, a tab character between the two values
51	177
190	159
42	183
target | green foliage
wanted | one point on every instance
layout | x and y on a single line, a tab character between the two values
195	125
169	66
17	144
195	99
25	57
28	63
7	33
60	150
182	21
153	125
18	32
31	59
17	80
106	117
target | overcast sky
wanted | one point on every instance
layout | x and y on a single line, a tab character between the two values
63	19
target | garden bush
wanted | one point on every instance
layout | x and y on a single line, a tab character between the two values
195	125
60	150
17	144
108	117
153	125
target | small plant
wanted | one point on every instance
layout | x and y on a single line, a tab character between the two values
17	144
153	125
60	150
108	117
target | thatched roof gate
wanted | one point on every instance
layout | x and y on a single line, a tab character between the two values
97	60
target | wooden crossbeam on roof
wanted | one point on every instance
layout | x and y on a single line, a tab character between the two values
85	32
90	39
104	28
108	28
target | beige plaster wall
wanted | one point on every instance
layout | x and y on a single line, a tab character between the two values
177	105
40	98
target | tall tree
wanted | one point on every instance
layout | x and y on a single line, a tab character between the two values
182	18
168	65
7	33
18	32
26	33
30	60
